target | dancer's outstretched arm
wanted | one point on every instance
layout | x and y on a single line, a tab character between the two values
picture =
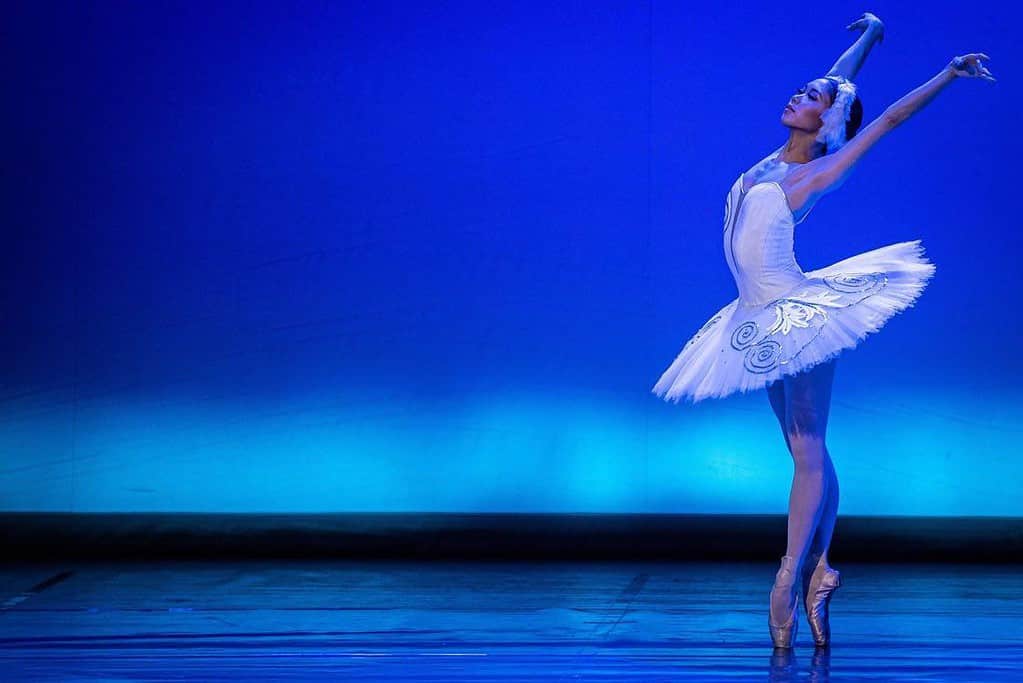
848	65
827	173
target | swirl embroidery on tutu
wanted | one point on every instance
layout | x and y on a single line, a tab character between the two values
765	355
744	335
800	312
853	283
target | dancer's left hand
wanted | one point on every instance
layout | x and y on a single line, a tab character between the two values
969	66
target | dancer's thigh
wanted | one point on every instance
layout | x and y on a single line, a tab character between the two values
808	401
776	395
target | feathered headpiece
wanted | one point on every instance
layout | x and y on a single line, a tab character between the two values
832	132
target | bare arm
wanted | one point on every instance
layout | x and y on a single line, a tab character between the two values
826	174
849	64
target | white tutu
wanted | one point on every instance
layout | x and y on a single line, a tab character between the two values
746	347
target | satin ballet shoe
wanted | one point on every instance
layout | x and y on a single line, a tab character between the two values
817	590
809	567
784	635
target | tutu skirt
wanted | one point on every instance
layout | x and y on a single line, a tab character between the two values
745	347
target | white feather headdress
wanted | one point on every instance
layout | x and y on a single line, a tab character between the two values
832	132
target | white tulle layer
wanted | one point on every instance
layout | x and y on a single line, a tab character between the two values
745	347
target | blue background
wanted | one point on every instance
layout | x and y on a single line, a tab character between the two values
396	256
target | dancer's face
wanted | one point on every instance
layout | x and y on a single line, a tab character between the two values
806	106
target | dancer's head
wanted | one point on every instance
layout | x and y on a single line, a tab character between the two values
829	107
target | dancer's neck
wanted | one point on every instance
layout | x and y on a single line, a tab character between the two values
801	148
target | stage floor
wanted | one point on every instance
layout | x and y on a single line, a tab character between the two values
497	621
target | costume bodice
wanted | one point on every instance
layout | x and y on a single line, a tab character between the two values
758	235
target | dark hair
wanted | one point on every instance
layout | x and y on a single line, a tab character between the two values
855	109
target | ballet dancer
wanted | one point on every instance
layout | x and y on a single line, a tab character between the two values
785	330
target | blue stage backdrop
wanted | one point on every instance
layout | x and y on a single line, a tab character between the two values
397	256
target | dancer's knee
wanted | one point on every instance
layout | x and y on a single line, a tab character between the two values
808	452
806	421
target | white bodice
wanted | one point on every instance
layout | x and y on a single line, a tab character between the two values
758	236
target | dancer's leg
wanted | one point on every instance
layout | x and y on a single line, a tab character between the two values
807	404
826	526
776	395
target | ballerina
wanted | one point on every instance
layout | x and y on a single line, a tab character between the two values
787	327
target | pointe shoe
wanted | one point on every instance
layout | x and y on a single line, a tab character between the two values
817	590
784	635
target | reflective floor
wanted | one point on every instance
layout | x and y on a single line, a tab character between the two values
461	621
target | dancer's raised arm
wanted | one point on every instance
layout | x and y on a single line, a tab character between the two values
827	173
848	65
